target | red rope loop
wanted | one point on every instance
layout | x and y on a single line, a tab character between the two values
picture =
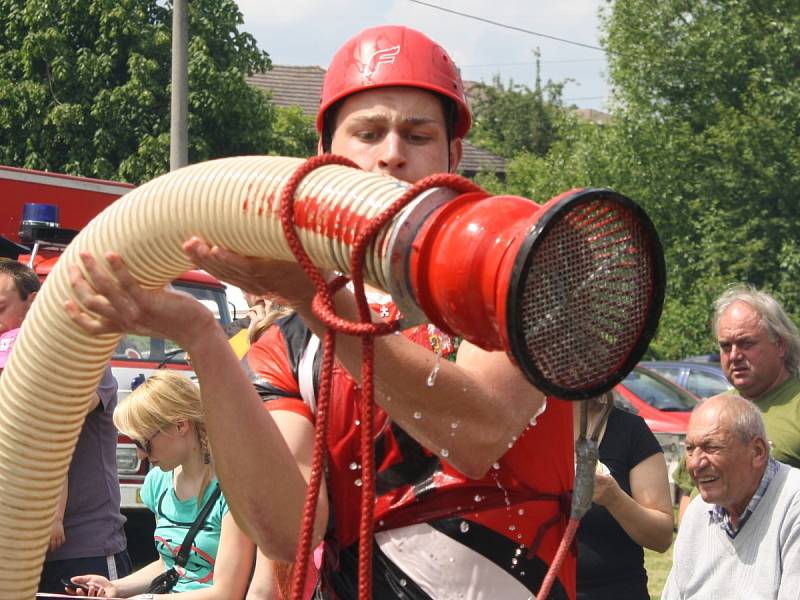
324	309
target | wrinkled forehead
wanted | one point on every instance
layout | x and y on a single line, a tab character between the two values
709	420
411	103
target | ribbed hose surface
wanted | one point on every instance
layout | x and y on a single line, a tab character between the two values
55	366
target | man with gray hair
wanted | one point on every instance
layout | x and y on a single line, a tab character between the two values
741	539
759	349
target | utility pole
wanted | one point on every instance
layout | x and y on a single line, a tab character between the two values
179	110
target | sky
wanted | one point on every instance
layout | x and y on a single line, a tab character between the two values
308	32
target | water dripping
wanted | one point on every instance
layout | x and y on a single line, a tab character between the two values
418	414
464	527
354	466
358	482
435	371
445	453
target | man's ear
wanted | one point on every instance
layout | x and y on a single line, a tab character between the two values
760	450
456	153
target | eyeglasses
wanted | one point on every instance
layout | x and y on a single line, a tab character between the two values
147	445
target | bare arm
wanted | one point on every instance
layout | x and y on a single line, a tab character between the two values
262	460
57	535
250	452
231	568
264	585
483	393
135	583
481	398
646	515
683	504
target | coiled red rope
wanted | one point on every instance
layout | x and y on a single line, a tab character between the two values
324	308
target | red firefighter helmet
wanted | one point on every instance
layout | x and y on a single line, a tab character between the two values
392	55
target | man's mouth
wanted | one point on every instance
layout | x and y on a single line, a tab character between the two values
706	480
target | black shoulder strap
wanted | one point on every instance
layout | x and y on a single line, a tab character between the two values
186	545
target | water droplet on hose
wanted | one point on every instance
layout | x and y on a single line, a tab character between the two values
358	483
464	527
353	466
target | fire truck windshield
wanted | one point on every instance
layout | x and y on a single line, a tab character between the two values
166	352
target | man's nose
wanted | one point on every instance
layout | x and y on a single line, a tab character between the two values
392	153
695	460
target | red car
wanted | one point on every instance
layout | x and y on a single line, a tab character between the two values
663	405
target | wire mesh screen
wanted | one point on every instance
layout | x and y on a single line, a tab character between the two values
589	295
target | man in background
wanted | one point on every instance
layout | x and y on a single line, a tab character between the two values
741	538
87	535
759	348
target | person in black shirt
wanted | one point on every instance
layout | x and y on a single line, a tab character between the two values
631	509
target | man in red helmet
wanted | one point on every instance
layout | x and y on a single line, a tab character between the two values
473	469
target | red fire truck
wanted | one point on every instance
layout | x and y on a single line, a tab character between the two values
40	213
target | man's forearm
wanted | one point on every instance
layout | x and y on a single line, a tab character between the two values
469	416
250	453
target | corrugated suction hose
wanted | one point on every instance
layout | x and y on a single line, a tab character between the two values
55	366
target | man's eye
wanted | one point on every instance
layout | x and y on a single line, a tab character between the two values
418	138
367	136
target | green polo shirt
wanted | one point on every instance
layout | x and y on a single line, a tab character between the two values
781	410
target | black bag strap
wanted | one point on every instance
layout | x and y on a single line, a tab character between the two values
186	545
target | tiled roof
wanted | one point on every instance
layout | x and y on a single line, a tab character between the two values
292	86
301	86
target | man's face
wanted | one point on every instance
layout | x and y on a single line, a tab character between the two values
12	308
751	361
395	131
726	469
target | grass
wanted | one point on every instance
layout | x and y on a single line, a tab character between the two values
658	566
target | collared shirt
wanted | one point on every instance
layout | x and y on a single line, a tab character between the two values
720	516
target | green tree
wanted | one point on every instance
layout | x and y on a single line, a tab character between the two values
294	133
512	119
715	87
84	86
705	136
